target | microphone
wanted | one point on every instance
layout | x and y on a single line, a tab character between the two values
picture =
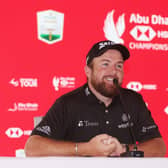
134	152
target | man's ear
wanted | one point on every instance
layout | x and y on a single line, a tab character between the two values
87	71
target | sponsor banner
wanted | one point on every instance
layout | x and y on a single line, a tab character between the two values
16	132
50	26
138	86
44	66
63	82
145	31
24	107
24	82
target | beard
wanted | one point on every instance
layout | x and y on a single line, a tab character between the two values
104	89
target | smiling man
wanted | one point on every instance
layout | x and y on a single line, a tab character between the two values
101	73
91	120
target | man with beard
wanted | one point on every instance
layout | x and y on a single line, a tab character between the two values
91	120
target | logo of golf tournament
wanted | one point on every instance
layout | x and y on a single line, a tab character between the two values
147	32
15	132
114	31
50	26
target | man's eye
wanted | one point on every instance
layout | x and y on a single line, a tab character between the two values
105	64
119	66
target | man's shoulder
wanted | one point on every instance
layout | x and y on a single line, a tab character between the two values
132	98
130	93
78	93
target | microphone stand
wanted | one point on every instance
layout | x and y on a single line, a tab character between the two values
135	152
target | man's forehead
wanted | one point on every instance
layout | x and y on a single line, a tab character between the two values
111	54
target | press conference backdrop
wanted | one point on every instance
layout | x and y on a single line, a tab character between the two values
43	45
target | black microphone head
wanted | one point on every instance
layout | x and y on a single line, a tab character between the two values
115	81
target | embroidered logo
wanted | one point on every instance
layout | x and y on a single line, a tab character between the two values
45	129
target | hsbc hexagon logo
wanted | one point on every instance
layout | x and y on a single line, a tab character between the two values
143	33
136	86
14	132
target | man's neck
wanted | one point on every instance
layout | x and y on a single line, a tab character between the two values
106	100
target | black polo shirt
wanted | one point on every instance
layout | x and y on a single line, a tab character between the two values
79	115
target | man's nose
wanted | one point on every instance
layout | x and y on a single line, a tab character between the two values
112	70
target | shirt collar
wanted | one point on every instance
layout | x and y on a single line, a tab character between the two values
91	97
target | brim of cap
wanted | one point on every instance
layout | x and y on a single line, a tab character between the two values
124	51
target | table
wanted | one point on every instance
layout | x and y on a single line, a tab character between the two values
82	162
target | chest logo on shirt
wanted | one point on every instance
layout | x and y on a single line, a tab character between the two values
87	123
148	128
125	117
125	121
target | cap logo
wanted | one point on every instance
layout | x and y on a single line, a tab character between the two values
104	44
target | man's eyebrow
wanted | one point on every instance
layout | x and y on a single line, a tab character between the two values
107	60
120	62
